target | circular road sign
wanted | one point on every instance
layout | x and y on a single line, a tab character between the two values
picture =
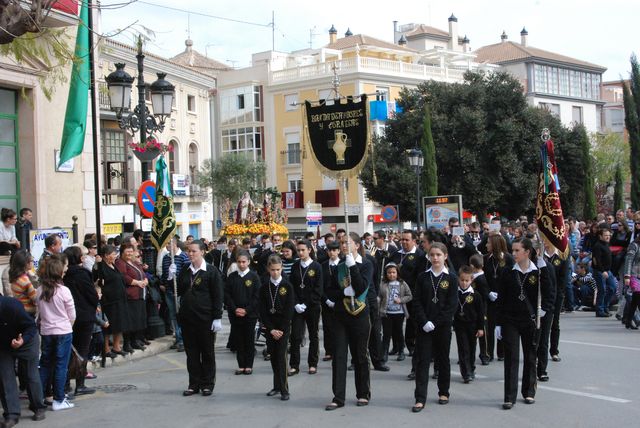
389	213
147	198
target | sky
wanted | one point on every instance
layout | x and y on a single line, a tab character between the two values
604	33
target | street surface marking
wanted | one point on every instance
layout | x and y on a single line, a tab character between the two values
627	348
585	394
174	362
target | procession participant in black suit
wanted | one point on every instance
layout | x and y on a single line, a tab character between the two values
468	323
276	303
200	316
434	302
481	286
306	277
550	323
241	299
517	310
407	259
348	292
329	271
214	257
375	334
496	262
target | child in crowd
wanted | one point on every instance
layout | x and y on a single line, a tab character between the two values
97	338
586	284
276	305
468	323
481	286
394	296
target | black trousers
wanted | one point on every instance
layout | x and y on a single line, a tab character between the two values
555	325
410	332
328	319
199	342
311	318
482	341
630	309
375	336
351	333
82	332
243	331
392	328
543	343
491	339
9	396
279	361
436	344
466	340
513	333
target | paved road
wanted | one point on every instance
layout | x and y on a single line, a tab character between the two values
596	384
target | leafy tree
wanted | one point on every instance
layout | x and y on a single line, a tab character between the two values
608	152
430	171
231	175
618	195
486	140
631	98
16	20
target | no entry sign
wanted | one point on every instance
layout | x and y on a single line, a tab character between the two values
147	198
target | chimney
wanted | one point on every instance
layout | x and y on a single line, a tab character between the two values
504	37
402	41
395	31
465	44
453	32
523	36
333	34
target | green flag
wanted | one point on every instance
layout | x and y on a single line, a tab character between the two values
164	219
75	119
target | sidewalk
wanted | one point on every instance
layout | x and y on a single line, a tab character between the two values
157	346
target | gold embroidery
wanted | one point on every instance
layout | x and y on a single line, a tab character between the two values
248	283
556	262
533	279
282	291
198	281
469	299
410	257
311	273
444	284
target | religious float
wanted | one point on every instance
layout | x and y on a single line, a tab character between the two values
247	218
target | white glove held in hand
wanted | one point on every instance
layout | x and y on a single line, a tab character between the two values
498	333
541	312
428	327
216	326
349	291
350	260
330	303
299	308
493	296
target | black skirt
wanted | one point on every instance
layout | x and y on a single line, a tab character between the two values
137	315
118	316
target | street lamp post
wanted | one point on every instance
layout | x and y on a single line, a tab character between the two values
140	119
416	160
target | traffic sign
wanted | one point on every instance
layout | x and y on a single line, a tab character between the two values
314	223
389	213
147	198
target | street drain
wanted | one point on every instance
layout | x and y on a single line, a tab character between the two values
112	389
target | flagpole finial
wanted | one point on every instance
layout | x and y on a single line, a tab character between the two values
546	135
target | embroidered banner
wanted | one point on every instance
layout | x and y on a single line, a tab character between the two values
339	136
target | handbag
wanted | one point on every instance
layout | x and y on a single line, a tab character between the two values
634	284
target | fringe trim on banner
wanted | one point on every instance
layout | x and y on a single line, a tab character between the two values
343	174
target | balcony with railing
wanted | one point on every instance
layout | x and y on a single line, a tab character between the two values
360	64
103	96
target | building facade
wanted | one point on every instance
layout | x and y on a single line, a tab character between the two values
188	131
567	87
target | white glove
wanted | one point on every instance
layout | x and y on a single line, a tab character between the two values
349	291
428	327
498	333
350	260
173	268
541	312
493	296
330	303
304	306
299	308
216	326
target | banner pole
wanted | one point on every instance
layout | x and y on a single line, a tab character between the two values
346	228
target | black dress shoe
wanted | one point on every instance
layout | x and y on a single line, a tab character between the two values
84	390
189	392
110	354
362	403
529	400
350	368
507	406
285	397
417	408
39	414
411	376
272	393
381	368
333	406
206	392
393	352
543	378
8	423
401	357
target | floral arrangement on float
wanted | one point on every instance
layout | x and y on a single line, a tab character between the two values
149	149
247	218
